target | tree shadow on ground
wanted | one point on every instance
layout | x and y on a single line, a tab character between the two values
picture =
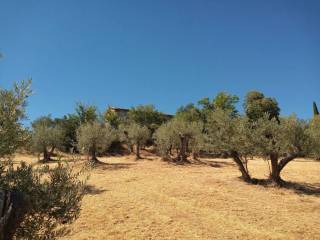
213	163
44	162
189	162
176	162
145	158
15	161
112	166
52	160
298	187
92	190
303	188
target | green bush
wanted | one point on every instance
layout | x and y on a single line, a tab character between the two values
51	197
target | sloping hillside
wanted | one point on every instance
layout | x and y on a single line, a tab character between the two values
151	199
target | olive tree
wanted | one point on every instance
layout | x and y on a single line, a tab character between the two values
94	138
69	125
198	141
46	137
232	135
180	134
135	134
280	142
166	140
12	112
71	122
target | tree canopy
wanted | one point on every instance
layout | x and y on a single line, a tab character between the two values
226	133
94	138
46	136
86	113
12	111
256	105
135	134
222	101
146	115
179	134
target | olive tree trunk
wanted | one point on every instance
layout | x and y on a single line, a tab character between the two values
93	154
138	151
277	166
182	156
244	171
195	155
15	207
46	155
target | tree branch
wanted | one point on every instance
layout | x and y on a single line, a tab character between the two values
286	160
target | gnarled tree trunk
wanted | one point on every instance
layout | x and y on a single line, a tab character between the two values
277	166
93	154
52	150
244	171
14	208
138	151
275	169
182	156
46	155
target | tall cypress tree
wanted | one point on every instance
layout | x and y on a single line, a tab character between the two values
315	109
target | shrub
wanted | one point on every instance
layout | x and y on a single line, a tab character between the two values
48	198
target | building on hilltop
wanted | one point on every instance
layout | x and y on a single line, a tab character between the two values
123	112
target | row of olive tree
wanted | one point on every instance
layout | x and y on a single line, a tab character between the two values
216	127
243	139
88	132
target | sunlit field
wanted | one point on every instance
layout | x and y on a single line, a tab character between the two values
153	199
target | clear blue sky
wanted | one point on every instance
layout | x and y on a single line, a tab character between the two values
164	52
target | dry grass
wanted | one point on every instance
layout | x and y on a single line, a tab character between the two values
151	199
